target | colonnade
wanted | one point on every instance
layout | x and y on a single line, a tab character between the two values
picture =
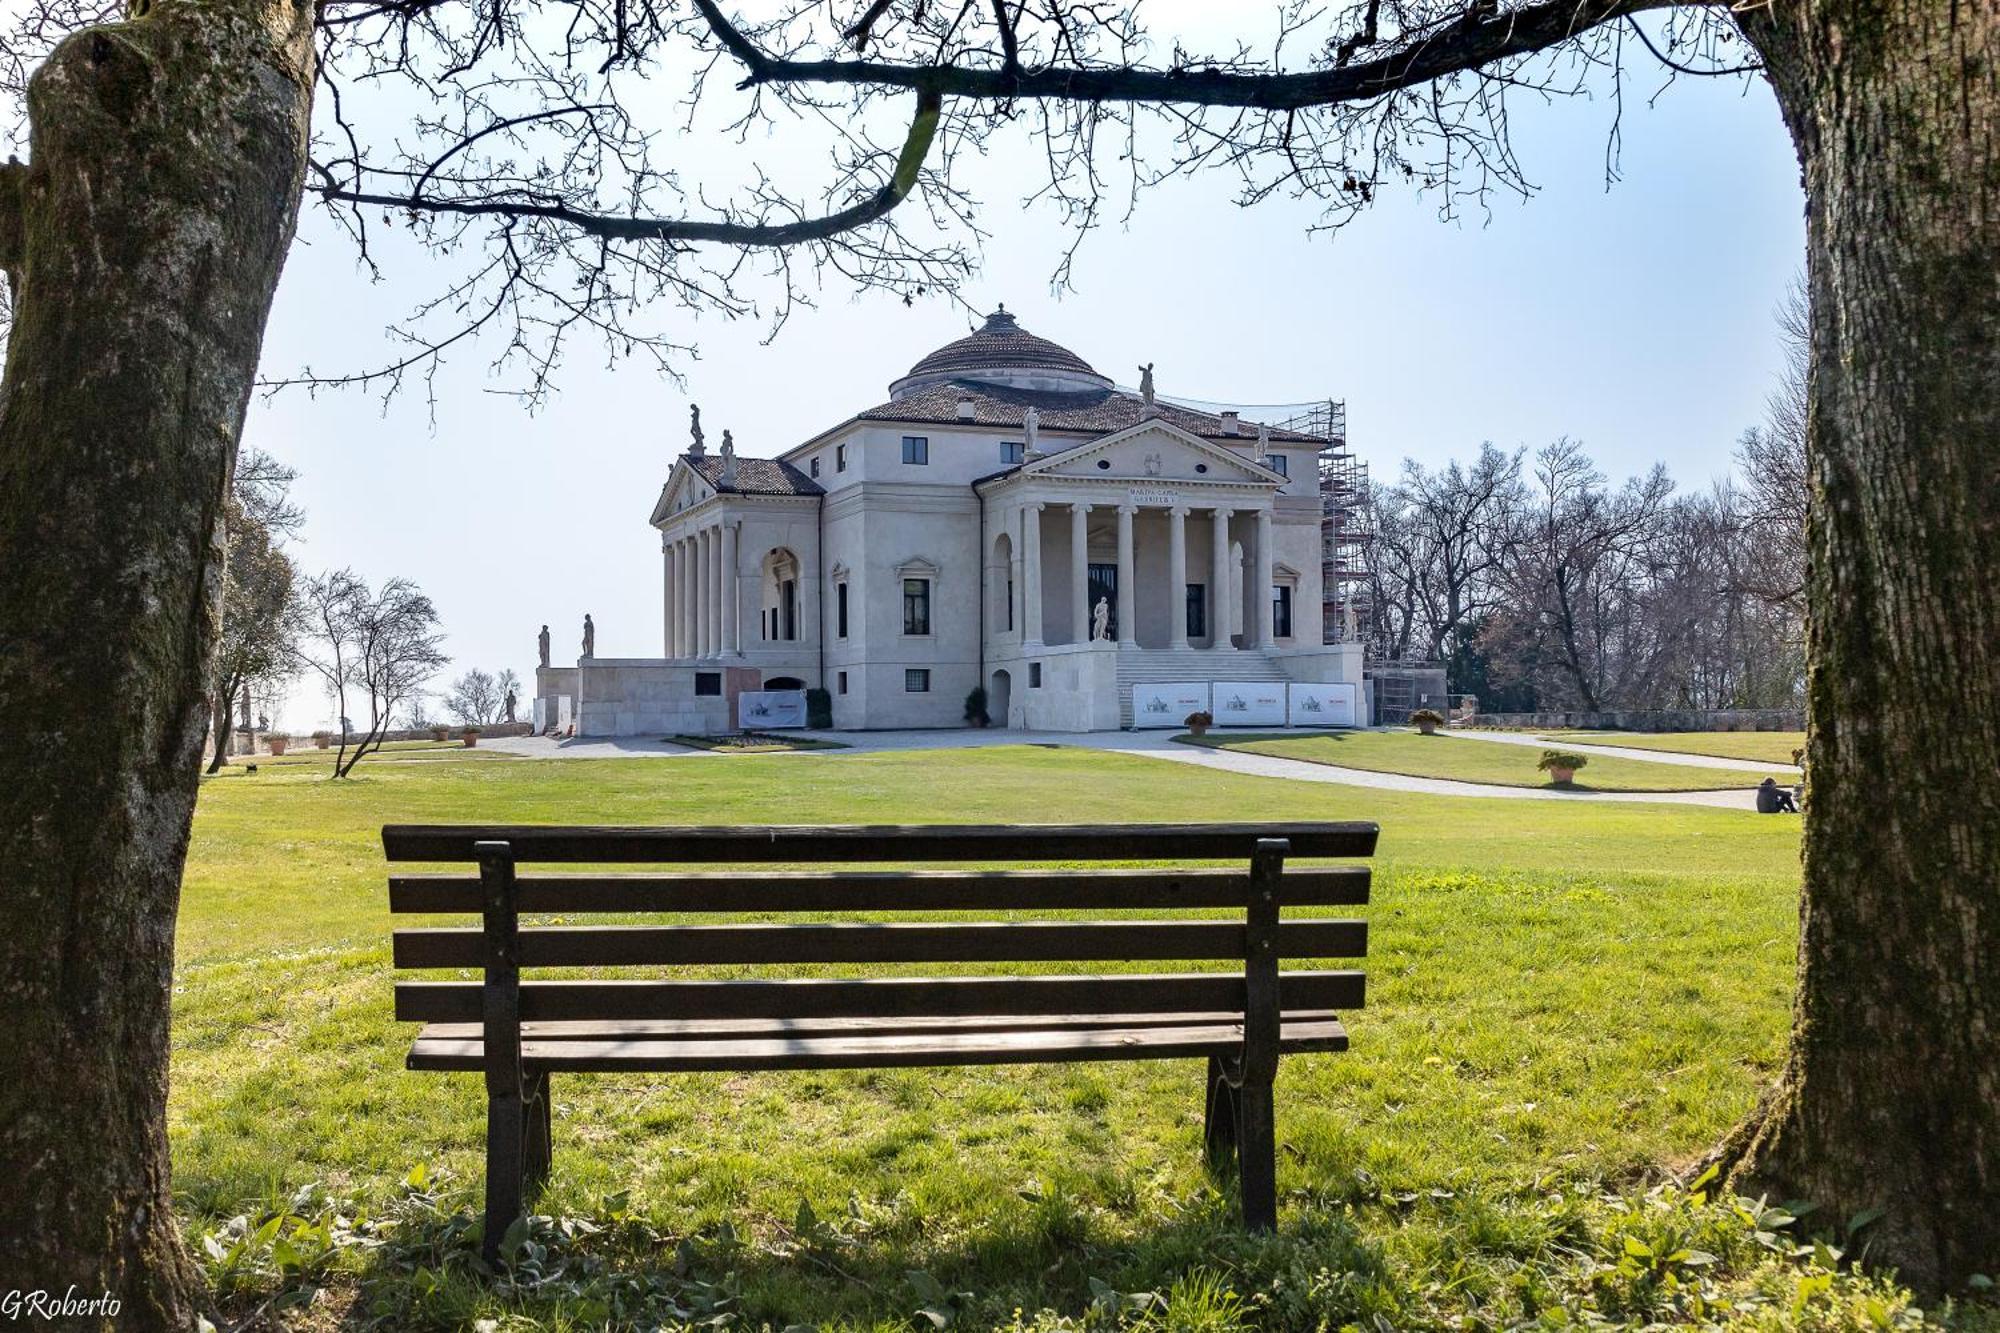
704	603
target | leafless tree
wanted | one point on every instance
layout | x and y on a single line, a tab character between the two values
368	646
170	148
474	699
259	610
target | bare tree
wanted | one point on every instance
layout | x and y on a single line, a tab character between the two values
259	620
1772	459
368	647
143	237
474	698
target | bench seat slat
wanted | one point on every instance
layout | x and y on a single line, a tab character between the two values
880	842
460	1002
885	891
876	1051
714	1029
880	942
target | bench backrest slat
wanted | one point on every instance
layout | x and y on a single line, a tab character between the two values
885	891
894	842
853	942
459	1001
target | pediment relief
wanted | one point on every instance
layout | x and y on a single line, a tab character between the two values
684	490
1154	451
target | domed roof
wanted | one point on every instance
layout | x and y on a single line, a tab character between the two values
1000	351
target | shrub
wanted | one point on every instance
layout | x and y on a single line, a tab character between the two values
819	708
1430	715
1561	759
975	707
1199	718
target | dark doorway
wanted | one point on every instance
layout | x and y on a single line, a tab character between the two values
1104	587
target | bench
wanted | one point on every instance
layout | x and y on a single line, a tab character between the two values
517	1033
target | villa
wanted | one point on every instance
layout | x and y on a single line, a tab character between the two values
1008	520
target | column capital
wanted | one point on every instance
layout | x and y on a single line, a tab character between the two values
1080	506
1128	508
1180	511
1223	511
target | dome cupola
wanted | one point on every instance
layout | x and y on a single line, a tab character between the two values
1001	352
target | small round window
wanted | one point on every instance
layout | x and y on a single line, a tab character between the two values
1104	464
1201	467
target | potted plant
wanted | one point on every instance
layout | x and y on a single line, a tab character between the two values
1428	720
975	707
278	744
1198	722
440	733
819	708
471	735
1561	765
322	739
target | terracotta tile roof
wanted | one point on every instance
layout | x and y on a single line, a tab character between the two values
755	476
1091	411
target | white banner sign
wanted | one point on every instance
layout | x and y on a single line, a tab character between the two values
762	710
1167	705
1248	703
541	716
1325	705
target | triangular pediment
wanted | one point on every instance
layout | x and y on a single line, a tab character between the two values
684	489
1153	451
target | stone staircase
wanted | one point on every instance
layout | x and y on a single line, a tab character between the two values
1158	666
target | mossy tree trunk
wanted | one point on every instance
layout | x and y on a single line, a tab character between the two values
143	241
1891	1095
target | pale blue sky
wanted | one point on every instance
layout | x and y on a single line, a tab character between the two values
1637	319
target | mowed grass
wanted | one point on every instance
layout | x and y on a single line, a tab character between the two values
1770	747
1560	997
1462	759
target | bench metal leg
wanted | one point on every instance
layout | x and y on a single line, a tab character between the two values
505	1123
537	1149
1219	1119
1257	1154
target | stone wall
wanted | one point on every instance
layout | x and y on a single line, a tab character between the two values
1689	719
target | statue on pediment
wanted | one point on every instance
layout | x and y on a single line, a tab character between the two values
695	450
728	457
1146	383
1031	428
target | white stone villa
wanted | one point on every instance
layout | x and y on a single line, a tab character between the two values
1008	519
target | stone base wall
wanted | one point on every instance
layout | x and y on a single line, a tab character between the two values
1688	719
649	697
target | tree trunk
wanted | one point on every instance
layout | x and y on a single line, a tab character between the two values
223	723
1891	1095
143	241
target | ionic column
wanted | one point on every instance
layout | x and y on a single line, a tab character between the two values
732	590
715	591
685	646
1219	600
1031	576
1128	622
672	595
1177	577
1264	591
1079	572
700	645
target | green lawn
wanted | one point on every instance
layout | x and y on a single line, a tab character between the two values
1771	747
1465	760
1565	1001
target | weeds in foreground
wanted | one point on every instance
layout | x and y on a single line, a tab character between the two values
1573	1256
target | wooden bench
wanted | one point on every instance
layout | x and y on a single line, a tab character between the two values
517	1033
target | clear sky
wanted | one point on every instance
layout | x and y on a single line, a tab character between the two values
1637	318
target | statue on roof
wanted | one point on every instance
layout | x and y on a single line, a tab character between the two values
695	450
1031	426
589	636
728	457
1264	442
1146	383
542	643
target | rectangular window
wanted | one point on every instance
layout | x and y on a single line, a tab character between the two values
1197	610
843	682
1013	451
1277	464
916	606
788	608
916	680
840	609
1281	611
916	448
1034	675
707	683
840	458
1010	603
815	465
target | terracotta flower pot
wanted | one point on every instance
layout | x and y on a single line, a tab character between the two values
1427	728
440	733
471	739
1562	777
1198	729
277	745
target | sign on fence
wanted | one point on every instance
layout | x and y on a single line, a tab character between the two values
1335	705
765	710
1248	703
1167	705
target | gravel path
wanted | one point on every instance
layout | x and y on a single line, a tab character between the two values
1621	751
1146	744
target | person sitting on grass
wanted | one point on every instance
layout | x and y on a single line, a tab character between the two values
1774	800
